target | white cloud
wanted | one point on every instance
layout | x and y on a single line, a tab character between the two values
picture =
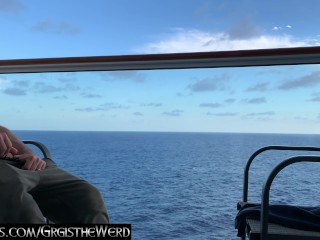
186	40
275	28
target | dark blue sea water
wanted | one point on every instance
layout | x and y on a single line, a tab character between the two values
180	185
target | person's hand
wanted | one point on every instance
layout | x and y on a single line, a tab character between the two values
6	145
31	161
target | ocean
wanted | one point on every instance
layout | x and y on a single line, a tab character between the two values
180	185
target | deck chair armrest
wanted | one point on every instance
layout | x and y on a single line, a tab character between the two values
268	148
44	150
267	186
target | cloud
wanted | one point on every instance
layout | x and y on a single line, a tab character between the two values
56	27
14	91
279	28
211	105
230	100
260	87
22	87
210	84
132	75
61	97
15	88
102	107
268	113
46	88
138	114
22	83
11	6
186	40
87	109
41	87
91	95
226	114
255	100
152	104
110	105
315	98
310	80
173	113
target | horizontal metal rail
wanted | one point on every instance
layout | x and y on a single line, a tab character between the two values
240	58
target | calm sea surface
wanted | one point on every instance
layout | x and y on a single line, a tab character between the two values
180	185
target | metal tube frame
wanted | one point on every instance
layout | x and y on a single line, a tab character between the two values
272	175
46	153
267	186
264	149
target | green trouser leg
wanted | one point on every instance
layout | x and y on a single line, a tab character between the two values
16	203
54	193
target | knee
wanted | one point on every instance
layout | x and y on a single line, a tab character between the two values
91	193
93	205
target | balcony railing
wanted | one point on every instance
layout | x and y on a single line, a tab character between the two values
241	58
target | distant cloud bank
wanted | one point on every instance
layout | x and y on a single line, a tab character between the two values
191	40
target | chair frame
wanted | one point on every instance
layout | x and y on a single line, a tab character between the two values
44	150
267	185
46	154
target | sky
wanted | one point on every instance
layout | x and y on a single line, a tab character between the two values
274	99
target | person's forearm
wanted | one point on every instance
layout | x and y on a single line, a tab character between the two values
16	143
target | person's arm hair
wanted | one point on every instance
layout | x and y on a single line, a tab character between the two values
16	143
